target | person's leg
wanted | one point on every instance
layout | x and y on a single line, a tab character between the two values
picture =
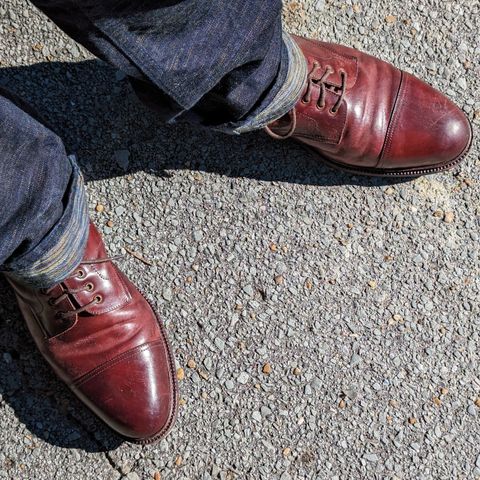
224	64
43	211
88	320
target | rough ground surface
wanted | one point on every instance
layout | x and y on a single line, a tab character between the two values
261	255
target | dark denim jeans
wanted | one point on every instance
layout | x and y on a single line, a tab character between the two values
43	211
224	64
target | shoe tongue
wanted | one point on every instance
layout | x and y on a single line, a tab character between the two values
95	248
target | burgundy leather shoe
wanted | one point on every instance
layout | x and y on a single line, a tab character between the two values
365	116
103	339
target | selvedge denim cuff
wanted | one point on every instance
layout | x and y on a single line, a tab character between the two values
61	251
288	94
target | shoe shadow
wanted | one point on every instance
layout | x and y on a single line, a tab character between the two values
39	401
95	112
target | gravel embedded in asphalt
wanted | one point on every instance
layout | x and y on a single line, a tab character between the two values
362	295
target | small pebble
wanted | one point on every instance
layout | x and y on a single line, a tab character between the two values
243	378
371	457
168	294
257	416
119	210
449	217
286	451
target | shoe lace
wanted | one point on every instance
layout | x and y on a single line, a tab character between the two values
87	287
320	79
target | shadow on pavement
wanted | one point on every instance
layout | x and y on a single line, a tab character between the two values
95	112
38	399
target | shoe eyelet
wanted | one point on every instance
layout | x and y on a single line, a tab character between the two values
80	274
89	287
50	302
332	112
98	298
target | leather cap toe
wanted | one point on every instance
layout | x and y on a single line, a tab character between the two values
135	393
426	128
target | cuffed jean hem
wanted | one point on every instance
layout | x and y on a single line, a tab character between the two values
287	96
61	251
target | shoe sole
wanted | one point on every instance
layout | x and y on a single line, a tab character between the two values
395	173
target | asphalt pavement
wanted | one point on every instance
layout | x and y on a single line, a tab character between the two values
325	326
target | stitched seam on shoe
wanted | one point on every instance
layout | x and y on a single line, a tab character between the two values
114	361
397	107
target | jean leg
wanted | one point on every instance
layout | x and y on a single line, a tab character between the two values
219	63
43	211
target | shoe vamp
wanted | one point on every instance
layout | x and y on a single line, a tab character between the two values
95	339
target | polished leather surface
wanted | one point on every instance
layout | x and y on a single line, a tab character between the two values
110	349
372	116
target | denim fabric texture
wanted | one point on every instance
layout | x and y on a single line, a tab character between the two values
43	213
61	250
218	63
224	64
